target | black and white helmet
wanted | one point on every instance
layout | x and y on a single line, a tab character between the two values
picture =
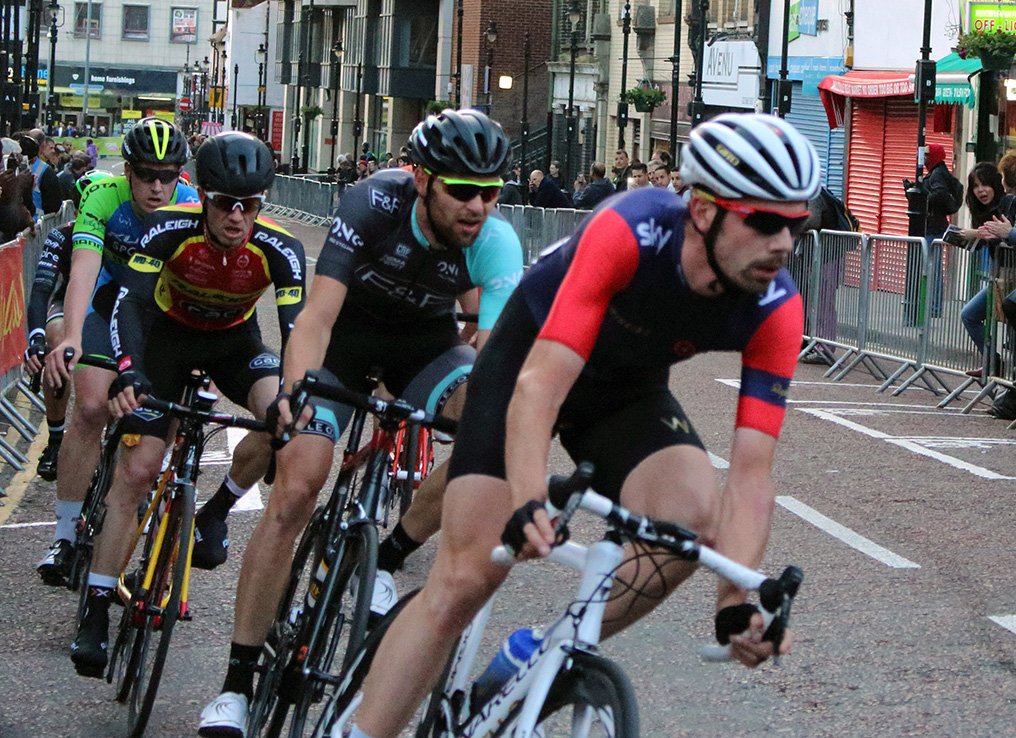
738	155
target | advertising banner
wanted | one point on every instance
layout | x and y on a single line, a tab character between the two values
12	306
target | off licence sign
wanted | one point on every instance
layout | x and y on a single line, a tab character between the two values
992	17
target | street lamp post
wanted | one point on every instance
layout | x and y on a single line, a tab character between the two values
696	109
206	102
574	16
675	81
357	123
457	100
54	14
525	102
622	107
261	54
336	71
491	39
236	74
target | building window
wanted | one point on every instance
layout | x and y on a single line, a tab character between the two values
81	20
135	22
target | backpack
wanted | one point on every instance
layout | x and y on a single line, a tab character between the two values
956	191
834	211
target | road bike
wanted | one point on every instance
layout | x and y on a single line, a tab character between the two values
566	687
154	583
324	612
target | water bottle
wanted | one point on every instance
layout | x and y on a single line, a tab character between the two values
514	652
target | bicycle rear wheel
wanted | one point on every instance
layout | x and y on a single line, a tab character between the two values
341	620
284	633
355	672
159	608
592	697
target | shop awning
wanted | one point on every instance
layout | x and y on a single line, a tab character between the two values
836	88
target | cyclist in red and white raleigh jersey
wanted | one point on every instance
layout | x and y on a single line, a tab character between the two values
583	349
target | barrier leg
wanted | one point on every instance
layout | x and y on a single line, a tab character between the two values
12	456
947	400
17	420
26	390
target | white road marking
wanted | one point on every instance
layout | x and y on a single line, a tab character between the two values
1006	621
717	461
849	537
41	524
908	444
251	499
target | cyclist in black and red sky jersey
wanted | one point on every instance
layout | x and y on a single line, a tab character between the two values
46	328
583	348
185	303
403	246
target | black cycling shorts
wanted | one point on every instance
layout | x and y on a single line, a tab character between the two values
615	425
423	363
234	358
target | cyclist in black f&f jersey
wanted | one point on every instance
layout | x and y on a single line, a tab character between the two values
584	348
185	303
403	246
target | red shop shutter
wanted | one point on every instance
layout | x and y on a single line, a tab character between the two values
864	162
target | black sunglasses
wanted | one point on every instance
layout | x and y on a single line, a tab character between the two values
466	192
166	176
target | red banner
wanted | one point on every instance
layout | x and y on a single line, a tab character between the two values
277	131
12	306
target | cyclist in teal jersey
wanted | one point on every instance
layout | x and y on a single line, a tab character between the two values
107	231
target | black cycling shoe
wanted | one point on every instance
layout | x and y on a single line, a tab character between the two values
55	566
90	649
211	544
47	461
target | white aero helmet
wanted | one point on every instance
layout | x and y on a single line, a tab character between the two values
738	155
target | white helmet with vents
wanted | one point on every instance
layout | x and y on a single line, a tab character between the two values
737	155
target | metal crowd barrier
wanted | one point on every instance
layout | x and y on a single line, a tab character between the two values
304	199
11	381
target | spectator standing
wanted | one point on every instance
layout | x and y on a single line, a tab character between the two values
639	176
554	174
46	195
659	175
93	154
513	192
15	192
544	194
71	172
598	189
622	170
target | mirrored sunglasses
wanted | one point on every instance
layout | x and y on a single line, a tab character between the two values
166	176
466	192
228	203
766	222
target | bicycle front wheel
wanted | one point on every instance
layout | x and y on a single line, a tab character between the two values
93	511
159	608
592	697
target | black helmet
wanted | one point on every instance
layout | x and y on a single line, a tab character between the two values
154	141
459	142
235	163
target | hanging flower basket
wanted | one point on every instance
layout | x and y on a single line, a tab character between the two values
310	112
645	98
995	49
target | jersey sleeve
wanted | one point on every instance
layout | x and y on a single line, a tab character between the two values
288	269
344	245
495	265
47	274
603	264
767	366
98	203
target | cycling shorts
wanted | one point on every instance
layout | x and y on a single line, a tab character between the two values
95	339
54	311
615	425
423	363
234	358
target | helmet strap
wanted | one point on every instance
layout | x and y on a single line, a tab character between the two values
709	239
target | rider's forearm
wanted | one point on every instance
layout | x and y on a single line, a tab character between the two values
743	528
305	349
530	423
85	265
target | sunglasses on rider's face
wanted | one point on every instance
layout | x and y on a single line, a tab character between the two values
166	176
228	203
465	191
766	222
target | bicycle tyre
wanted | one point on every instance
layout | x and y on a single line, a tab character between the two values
157	632
93	512
592	684
344	616
408	465
356	671
282	636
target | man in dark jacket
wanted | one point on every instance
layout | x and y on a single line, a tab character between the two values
544	193
598	189
514	191
622	170
71	172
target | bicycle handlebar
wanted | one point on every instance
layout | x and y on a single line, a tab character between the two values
395	410
776	596
203	416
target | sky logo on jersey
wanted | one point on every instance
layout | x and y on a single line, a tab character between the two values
773	293
384	201
652	235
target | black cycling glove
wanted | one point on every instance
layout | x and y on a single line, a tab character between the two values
733	620
130	378
512	536
36	347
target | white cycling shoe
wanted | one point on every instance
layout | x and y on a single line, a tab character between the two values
225	716
385	595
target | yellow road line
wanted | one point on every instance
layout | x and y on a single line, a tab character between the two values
19	483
